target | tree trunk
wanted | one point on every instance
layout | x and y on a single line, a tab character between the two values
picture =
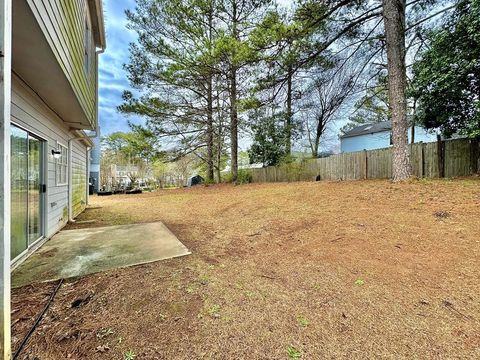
288	124
219	138
394	21
219	154
219	164
233	124
210	106
209	130
318	134
315	149
412	131
233	103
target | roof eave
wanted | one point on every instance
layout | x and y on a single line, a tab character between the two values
82	136
369	133
96	13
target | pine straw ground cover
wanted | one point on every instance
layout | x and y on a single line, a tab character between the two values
357	270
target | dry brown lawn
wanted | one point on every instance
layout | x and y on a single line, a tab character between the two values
327	270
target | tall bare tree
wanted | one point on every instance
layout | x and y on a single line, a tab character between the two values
328	92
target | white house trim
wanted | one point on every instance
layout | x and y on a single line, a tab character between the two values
5	96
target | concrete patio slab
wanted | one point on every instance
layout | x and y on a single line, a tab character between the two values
72	253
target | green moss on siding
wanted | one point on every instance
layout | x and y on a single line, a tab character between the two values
65	214
79	193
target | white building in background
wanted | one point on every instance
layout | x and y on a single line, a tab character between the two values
122	176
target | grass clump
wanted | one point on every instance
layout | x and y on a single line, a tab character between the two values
293	353
302	320
243	177
129	355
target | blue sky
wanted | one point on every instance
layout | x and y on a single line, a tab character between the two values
112	77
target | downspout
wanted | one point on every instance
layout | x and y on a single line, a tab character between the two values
70	177
87	192
94	132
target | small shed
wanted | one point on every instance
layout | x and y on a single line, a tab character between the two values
195	180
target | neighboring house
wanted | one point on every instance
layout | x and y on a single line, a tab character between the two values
54	89
378	136
122	175
249	166
95	157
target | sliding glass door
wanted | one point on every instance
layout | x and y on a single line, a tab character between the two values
19	193
34	189
26	186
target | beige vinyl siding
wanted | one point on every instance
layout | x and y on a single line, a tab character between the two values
79	177
63	24
29	112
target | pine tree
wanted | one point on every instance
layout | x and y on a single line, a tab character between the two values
173	67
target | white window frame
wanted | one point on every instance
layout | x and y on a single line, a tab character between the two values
61	163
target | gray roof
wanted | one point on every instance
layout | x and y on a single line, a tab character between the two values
368	129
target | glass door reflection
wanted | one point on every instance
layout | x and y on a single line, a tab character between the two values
19	191
26	190
34	189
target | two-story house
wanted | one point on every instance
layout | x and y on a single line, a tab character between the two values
379	136
49	89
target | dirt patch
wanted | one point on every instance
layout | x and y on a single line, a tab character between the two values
356	270
49	253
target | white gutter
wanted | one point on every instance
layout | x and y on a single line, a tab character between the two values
90	135
87	192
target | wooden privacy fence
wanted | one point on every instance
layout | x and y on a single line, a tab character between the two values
449	158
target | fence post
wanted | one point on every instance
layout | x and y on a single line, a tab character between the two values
441	156
422	160
365	164
474	156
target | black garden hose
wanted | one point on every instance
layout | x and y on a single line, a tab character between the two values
37	321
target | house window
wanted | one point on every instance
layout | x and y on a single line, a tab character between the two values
61	166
